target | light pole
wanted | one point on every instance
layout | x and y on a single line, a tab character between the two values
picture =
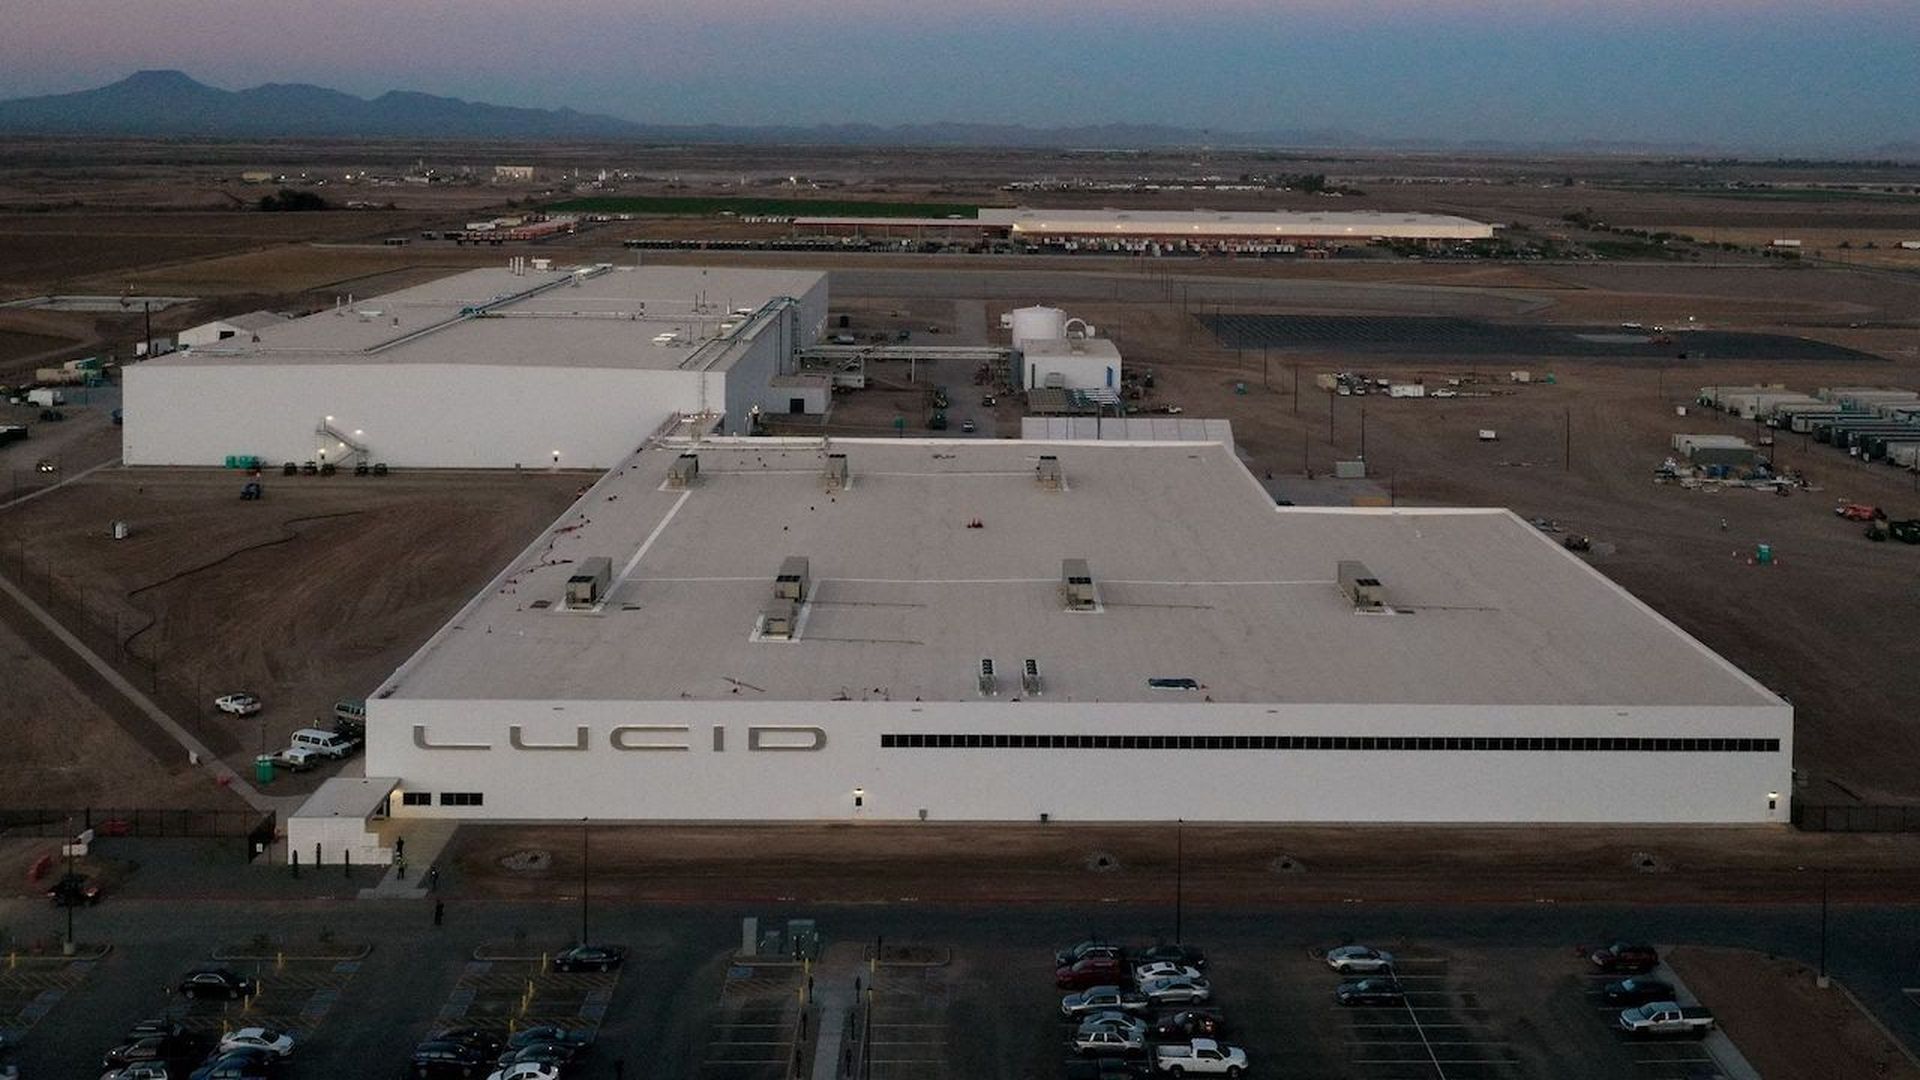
1179	876
69	893
584	865
1822	980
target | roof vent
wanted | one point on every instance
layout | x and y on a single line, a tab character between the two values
587	585
1076	585
1361	586
835	474
684	471
794	581
989	682
1048	472
778	620
1030	677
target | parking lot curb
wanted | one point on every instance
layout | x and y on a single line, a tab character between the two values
228	956
90	953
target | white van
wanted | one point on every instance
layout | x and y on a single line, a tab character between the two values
326	743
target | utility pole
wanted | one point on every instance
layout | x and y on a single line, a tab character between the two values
147	306
1179	886
1363	431
71	900
1567	465
1821	982
583	880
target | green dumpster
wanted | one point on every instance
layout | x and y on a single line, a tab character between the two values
263	769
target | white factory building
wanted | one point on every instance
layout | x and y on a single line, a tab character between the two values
1335	225
1053	351
492	368
236	326
975	630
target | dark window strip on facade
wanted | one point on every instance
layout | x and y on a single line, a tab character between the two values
1530	743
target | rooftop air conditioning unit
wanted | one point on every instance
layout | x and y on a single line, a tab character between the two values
587	585
778	620
835	473
794	580
1048	472
1076	583
684	471
989	682
1361	586
1030	677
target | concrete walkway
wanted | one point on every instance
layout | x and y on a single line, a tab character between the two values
834	999
425	839
194	747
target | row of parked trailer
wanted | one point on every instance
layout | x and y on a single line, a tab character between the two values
1870	423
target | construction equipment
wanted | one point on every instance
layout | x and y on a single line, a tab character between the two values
1907	532
251	491
1857	512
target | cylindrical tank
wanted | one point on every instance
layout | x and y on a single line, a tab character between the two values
1038	324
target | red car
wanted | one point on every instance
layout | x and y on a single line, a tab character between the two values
1091	971
1622	956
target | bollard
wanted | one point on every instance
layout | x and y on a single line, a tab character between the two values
293	861
346	861
316	854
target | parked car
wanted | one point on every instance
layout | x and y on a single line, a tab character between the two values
1636	991
1097	970
270	1040
1091	947
74	890
487	1041
1201	1057
1666	1018
1179	954
444	1057
1188	1024
147	1049
1107	1068
150	1070
239	1065
1111	1041
297	759
1098	998
216	982
240	703
1110	1018
968	427
1178	990
1625	957
1359	958
1163	969
589	958
1370	992
527	1070
551	1053
547	1033
325	743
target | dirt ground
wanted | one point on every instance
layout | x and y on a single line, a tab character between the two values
1228	865
1785	1025
315	593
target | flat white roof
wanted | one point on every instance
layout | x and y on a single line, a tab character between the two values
348	797
1092	348
1250	223
609	317
1199	576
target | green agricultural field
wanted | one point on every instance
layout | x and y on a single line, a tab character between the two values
700	206
1774	194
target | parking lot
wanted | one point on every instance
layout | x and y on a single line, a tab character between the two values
980	1003
755	1030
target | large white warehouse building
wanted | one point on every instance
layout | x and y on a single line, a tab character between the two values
490	368
778	630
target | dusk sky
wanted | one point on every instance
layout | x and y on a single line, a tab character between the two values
1798	75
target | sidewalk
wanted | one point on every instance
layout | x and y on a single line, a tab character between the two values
834	999
425	839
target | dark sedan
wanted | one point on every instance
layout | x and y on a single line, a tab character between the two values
1187	1025
1370	992
1095	970
589	958
74	890
1184	955
1637	991
216	982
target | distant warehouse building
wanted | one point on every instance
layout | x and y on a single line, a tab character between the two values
974	630
491	368
1317	228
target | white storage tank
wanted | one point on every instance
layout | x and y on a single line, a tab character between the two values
1038	324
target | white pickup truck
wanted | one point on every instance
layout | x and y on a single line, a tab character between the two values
1666	1018
1202	1057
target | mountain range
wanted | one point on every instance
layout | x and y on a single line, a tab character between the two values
173	104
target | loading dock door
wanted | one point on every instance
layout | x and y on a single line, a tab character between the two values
796	406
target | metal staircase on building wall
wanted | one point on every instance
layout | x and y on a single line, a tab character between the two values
354	448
